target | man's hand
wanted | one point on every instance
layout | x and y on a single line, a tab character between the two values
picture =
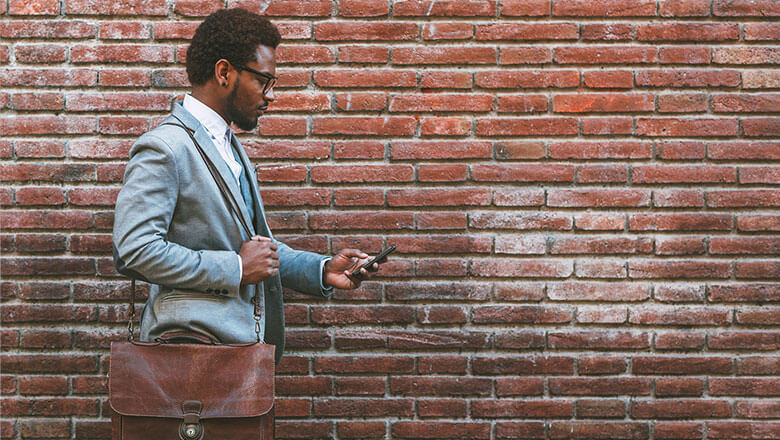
338	271
259	260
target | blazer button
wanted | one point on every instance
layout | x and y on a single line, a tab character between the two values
224	291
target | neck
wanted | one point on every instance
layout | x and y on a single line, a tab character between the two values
211	100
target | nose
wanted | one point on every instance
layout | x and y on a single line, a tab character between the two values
269	95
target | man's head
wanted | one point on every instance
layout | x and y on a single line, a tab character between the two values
231	64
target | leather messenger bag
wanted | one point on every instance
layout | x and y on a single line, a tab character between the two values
192	391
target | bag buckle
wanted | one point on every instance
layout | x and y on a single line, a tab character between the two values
190	428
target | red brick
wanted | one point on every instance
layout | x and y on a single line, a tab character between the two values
126	7
525	55
363	54
441	408
524	8
600	150
114	53
447	386
43	385
744	198
606	55
445	126
763	127
684	55
446	8
600	222
599	340
758	365
606	126
743	430
282	126
608	79
686	127
757	316
744	341
588	103
34	7
687	32
197	8
598	198
530	31
526	126
762	32
687	365
442	173
343	407
365	173
439	290
600	386
523	173
522	104
745	8
359	150
281	173
445	80
680	408
40	53
438	197
601	365
610	32
359	102
360	429
424	55
687	78
599	430
746	55
597	292
59	29
680	341
679	315
682	103
548	409
366	220
304	55
363	8
387	126
512	197
290	8
758	223
757	409
34	243
428	429
680	246
763	103
608	8
683	174
32	219
521	268
441	102
448	31
365	31
527	79
684	8
679	269
123	125
601	408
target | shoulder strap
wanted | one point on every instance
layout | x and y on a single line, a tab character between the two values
226	194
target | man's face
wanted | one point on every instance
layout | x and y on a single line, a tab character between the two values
246	102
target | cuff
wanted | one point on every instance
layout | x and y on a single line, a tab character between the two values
240	269
326	290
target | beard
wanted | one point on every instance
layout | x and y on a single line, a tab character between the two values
234	114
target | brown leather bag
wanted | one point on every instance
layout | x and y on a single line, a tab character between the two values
192	391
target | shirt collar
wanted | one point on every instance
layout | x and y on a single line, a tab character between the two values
210	119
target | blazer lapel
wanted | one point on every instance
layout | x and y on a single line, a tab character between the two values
204	139
262	225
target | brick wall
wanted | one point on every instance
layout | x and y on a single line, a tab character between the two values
583	195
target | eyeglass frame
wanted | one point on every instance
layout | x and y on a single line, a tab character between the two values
271	79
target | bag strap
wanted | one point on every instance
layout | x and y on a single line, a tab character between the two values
232	205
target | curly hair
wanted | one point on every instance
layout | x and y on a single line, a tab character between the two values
232	34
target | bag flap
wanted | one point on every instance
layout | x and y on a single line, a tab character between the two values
154	380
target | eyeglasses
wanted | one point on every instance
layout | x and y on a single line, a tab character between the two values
270	79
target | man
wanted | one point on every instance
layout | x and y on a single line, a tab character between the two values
173	227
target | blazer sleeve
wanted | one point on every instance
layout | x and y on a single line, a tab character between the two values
143	214
302	271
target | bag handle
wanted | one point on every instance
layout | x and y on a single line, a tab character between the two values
232	205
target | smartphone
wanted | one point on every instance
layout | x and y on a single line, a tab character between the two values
377	259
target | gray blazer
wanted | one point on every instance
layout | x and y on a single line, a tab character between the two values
173	229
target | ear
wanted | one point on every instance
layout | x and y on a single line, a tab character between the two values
223	71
